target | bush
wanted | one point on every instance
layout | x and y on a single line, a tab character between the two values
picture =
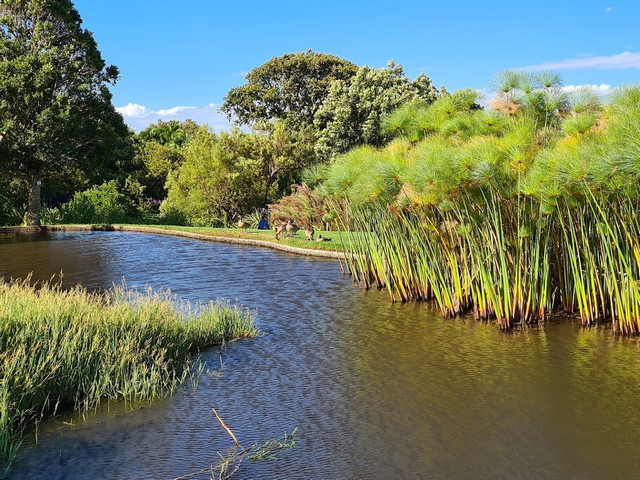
171	217
12	207
100	204
50	216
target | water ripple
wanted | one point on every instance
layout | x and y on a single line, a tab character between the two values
377	390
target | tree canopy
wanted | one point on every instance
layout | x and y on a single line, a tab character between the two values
55	105
354	109
172	133
159	150
233	173
290	88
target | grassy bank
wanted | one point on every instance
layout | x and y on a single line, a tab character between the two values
337	244
75	348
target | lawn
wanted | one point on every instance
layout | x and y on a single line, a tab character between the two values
338	239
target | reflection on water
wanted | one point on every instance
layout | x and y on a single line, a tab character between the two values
376	390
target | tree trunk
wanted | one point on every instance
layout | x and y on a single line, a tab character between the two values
33	213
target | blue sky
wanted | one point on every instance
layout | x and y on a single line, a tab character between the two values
178	59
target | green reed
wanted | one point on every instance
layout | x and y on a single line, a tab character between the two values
507	259
513	214
617	271
75	348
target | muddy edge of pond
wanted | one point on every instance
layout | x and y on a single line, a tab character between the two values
177	233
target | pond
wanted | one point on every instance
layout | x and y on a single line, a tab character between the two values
377	390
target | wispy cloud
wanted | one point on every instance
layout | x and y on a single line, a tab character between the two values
139	117
620	61
608	9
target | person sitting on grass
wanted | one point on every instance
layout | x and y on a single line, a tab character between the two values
263	224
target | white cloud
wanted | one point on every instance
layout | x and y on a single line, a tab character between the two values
173	111
613	62
608	9
602	89
139	117
133	110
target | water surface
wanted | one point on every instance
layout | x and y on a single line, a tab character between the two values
376	390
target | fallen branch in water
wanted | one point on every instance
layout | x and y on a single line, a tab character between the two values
225	427
230	461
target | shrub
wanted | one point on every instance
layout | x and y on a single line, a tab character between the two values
100	204
11	207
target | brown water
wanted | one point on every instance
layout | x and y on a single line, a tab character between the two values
377	391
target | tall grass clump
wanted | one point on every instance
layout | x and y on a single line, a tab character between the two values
74	348
463	258
512	213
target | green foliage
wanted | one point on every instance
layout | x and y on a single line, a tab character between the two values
579	124
171	216
455	148
11	209
79	348
441	150
450	114
411	121
158	151
584	100
321	105
315	175
540	96
172	133
51	216
233	173
505	213
156	161
103	204
624	129
55	106
289	88
354	109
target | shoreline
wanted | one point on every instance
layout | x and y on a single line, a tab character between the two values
177	233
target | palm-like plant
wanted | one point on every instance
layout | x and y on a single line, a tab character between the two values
508	213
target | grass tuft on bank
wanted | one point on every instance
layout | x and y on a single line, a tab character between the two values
75	348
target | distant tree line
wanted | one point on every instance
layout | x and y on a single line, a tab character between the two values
63	146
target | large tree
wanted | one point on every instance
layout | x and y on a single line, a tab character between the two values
172	133
353	111
233	173
290	88
159	150
55	106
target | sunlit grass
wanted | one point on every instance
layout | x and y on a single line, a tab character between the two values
339	240
75	348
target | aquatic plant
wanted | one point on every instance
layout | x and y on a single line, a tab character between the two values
510	214
75	348
229	462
